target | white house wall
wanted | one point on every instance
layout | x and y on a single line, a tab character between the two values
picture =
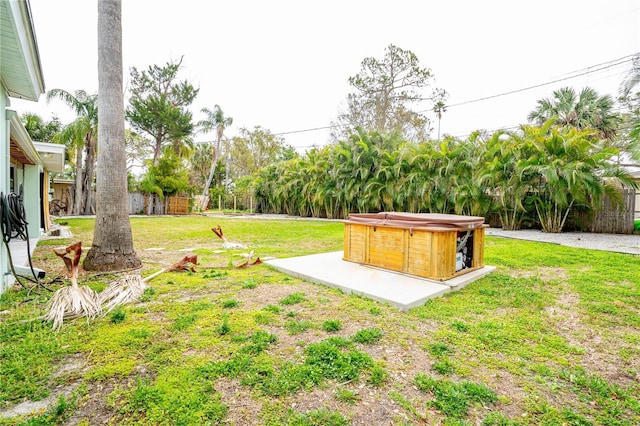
4	179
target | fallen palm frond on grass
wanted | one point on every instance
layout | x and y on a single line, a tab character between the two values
248	263
73	301
226	243
130	288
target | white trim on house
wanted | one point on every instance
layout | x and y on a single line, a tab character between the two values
20	77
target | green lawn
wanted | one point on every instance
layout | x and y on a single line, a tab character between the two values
551	337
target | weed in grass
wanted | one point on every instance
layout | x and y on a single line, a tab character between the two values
291	379
259	341
293	298
403	402
454	399
614	400
265	318
443	367
497	419
147	294
230	303
273	309
249	283
290	314
118	315
139	333
278	415
331	326
339	342
215	274
375	311
184	321
142	396
201	306
367	336
439	349
336	364
379	376
224	328
347	396
460	326
297	327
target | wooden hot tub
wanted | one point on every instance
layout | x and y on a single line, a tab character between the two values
434	246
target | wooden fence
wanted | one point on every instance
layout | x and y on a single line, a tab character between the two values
612	218
151	204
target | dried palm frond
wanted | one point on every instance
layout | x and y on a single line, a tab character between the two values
130	288
248	263
187	263
72	302
226	243
124	290
69	303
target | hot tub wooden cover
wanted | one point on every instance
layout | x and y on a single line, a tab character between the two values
418	220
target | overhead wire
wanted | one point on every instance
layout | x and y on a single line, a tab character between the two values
592	69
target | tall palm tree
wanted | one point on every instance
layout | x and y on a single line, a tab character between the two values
215	121
583	111
112	247
85	126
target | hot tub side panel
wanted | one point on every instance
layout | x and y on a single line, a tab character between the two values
420	252
356	243
387	247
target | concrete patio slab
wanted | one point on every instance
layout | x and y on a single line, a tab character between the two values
399	290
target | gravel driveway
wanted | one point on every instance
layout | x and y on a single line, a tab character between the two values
620	243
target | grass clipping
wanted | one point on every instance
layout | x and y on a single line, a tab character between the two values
73	301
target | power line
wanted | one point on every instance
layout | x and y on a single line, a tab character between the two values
571	75
590	70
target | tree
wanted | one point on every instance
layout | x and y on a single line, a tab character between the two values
169	177
568	167
112	247
137	149
501	170
215	121
257	148
385	92
158	106
630	99
586	110
39	129
79	134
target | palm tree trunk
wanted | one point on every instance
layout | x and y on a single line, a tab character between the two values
77	200
214	163
87	186
112	247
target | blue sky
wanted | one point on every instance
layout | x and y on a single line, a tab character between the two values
284	65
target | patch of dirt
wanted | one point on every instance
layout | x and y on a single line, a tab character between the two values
242	406
544	273
67	375
600	354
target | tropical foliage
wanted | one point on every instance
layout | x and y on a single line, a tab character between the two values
158	106
537	172
216	121
81	137
586	110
